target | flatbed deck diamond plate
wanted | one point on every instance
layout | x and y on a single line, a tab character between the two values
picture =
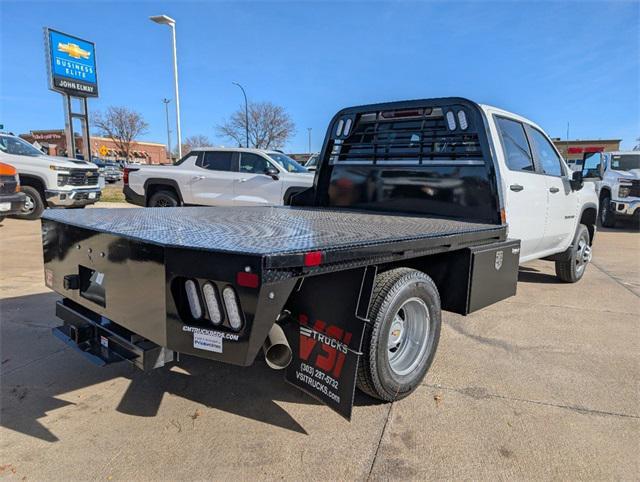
260	230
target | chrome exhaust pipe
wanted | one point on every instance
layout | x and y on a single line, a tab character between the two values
277	351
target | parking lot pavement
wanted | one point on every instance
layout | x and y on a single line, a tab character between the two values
543	385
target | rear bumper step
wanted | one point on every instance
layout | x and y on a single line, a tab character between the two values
103	342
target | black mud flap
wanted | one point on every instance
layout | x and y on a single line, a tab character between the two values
329	313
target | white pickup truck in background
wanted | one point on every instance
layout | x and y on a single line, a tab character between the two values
218	177
49	181
619	189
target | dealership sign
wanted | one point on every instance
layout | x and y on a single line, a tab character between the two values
71	63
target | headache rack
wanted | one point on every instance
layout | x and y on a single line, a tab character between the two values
413	136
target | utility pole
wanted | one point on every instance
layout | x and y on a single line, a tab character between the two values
165	20
246	114
309	129
166	110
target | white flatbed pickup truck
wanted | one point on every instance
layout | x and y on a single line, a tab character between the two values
416	207
218	177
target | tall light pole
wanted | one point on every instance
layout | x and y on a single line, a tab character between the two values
309	129
166	110
166	20
246	114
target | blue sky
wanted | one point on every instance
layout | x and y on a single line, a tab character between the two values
554	62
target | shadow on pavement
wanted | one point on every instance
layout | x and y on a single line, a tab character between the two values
31	389
532	275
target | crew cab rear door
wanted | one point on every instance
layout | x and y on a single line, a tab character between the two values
562	201
212	180
525	189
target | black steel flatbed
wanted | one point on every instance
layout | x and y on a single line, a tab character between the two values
283	234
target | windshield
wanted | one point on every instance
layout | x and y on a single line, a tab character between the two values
285	161
17	146
625	162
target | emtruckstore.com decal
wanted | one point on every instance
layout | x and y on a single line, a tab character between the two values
204	331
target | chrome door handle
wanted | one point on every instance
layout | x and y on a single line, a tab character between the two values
516	187
197	178
554	190
244	179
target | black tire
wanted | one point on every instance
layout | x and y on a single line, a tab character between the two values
392	291
164	199
34	204
572	270
2	218
607	218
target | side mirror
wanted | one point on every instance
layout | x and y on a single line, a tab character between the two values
272	172
576	181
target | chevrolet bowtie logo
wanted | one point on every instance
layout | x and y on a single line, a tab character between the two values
73	50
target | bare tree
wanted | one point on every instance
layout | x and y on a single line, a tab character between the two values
192	142
270	126
637	146
122	126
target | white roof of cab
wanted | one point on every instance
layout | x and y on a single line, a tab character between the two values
236	149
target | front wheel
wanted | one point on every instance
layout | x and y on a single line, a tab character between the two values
401	339
572	269
33	204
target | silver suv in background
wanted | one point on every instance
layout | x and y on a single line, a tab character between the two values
217	176
49	181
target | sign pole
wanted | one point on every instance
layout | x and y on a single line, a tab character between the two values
68	126
86	140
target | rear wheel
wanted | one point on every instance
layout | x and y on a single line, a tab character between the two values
607	218
164	199
33	204
572	269
400	342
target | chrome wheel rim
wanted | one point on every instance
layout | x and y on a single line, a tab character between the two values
408	335
583	255
162	203
29	205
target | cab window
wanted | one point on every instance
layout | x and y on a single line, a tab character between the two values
253	163
515	145
217	160
545	153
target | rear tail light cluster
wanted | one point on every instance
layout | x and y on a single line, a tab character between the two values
207	297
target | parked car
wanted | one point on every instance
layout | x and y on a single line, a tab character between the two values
418	206
218	177
11	199
619	189
108	169
49	181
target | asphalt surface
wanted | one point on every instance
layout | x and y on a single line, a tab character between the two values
541	386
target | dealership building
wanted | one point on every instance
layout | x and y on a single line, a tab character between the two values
54	143
574	150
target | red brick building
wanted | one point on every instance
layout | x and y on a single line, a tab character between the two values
54	143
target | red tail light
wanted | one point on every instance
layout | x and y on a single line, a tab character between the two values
248	280
125	174
313	258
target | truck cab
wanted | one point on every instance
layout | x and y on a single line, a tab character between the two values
49	181
544	200
619	189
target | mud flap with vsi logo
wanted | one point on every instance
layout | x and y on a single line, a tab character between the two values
329	313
